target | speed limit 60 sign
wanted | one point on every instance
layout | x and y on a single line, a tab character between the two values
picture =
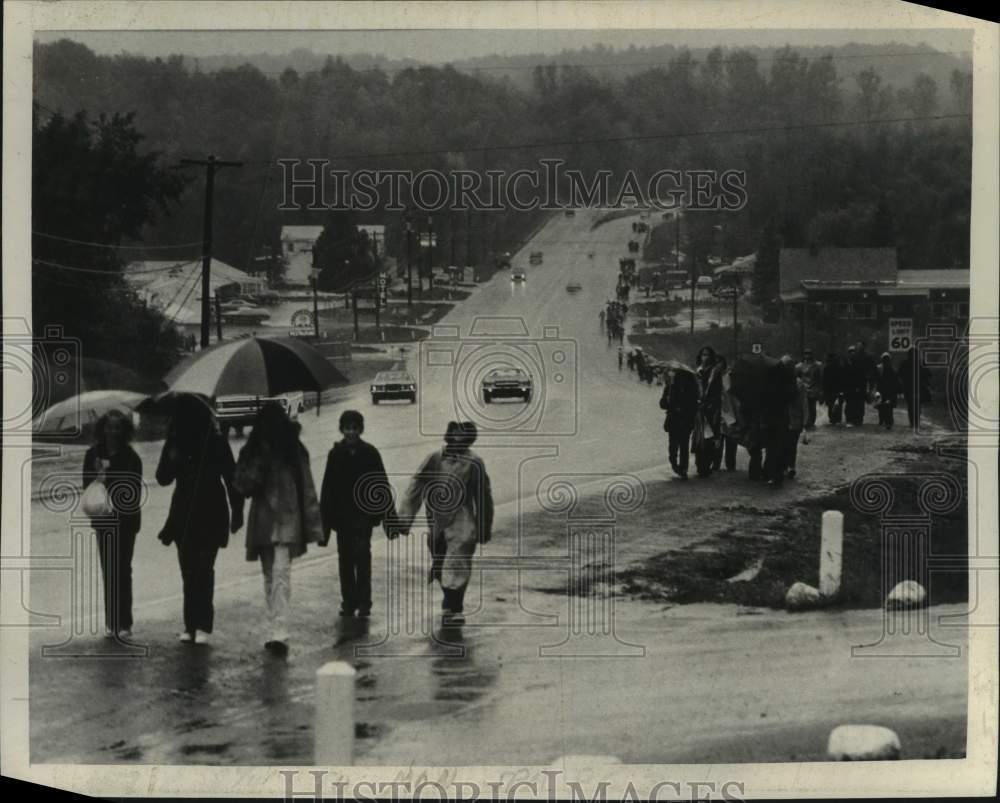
900	334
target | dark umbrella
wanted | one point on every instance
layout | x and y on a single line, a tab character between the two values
169	402
254	366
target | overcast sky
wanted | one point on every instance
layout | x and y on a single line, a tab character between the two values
440	46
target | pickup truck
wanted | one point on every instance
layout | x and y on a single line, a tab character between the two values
239	411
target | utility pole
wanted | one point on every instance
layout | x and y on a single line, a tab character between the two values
737	286
430	254
210	164
354	303
315	284
347	274
409	263
451	220
468	238
378	292
693	282
218	317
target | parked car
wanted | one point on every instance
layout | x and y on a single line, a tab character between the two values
393	385
239	411
570	213
574	287
507	383
704	281
535	258
517	275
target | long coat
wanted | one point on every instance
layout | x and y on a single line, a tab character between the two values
356	491
284	508
123	479
455	489
203	495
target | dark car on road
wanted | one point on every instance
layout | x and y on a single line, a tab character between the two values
393	385
507	383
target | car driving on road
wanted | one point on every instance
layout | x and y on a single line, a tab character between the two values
507	383
393	385
517	275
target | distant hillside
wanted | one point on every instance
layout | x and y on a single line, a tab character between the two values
898	63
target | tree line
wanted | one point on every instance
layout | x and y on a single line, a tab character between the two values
823	166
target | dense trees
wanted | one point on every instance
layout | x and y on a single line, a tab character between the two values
804	128
93	186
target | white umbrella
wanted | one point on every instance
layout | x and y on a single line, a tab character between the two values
72	414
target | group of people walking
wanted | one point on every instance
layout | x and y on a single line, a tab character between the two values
286	513
613	320
848	382
705	419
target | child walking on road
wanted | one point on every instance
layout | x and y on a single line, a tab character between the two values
273	470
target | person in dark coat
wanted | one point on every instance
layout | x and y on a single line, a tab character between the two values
204	509
113	460
708	421
680	401
355	497
774	420
888	387
855	387
833	387
811	374
916	386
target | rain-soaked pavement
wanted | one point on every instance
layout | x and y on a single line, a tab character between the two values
529	677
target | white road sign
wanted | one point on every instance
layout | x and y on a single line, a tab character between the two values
900	334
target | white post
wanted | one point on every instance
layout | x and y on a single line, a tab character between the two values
831	553
333	730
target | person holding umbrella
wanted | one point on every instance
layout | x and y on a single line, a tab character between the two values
204	509
273	471
113	462
453	484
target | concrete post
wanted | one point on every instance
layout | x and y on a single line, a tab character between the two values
831	553
333	730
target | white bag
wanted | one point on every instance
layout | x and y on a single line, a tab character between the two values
95	501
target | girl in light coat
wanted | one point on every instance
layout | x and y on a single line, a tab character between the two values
273	470
453	485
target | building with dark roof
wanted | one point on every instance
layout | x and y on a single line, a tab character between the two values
866	284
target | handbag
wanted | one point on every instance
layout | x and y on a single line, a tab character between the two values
96	502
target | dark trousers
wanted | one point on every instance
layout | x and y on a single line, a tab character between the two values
913	411
792	448
678	447
115	548
775	454
835	409
855	408
354	555
885	416
727	453
454	600
755	470
197	561
811	419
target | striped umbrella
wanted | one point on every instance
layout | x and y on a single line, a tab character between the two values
71	414
256	366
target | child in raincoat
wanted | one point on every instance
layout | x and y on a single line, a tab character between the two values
453	486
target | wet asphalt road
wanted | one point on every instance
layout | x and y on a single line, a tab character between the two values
663	686
574	430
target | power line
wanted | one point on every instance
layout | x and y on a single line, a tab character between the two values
636	138
112	270
116	247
